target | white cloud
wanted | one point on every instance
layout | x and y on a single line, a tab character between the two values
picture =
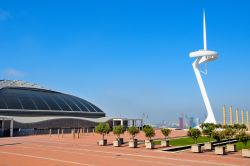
4	15
13	73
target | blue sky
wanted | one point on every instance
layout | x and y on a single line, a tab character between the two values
129	57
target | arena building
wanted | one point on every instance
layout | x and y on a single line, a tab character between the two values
26	108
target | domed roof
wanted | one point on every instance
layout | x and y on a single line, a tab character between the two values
23	96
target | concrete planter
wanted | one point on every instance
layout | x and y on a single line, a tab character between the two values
149	144
220	150
132	143
208	146
246	153
117	143
231	147
165	143
121	140
196	148
102	142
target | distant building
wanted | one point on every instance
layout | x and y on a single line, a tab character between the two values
191	122
181	122
198	121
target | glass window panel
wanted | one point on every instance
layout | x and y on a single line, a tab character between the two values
70	103
80	105
49	101
61	102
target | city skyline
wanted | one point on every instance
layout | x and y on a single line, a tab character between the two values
129	58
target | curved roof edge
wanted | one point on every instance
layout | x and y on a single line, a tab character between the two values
18	83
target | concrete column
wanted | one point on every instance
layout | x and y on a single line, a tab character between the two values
224	115
11	127
50	132
121	122
231	115
62	133
58	132
237	116
3	123
242	117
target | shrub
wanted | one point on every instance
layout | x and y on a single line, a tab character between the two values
194	133
103	129
118	130
218	135
243	137
133	131
165	132
149	132
207	129
229	133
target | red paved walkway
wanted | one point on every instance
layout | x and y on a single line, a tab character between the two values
54	151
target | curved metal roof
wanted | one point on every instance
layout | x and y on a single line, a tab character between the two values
19	95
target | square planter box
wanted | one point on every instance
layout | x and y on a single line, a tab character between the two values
208	146
220	150
102	142
116	143
121	140
231	147
196	148
246	153
165	143
132	144
149	144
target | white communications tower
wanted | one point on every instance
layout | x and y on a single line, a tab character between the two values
202	57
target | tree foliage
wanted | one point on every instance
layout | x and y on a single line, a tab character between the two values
165	132
207	129
243	137
149	131
194	134
118	130
133	131
229	132
218	135
103	129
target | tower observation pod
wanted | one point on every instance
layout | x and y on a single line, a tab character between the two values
203	57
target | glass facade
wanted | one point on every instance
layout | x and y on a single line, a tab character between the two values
22	98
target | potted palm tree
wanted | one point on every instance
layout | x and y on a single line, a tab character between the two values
133	131
118	130
195	134
165	132
149	133
102	129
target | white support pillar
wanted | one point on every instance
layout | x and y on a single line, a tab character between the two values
11	127
3	123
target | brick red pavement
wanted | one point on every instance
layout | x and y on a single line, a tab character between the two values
66	151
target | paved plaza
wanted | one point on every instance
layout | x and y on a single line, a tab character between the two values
66	151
